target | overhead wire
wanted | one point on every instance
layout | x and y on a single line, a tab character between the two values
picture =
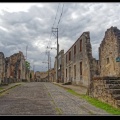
53	24
51	31
60	15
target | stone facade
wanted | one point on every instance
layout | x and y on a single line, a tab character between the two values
78	62
7	70
41	76
13	68
37	76
51	75
44	76
109	50
17	66
106	87
60	66
2	67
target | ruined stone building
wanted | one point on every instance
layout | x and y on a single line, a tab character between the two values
106	87
7	71
17	66
60	66
13	68
78	62
37	76
109	50
2	67
51	75
41	76
44	76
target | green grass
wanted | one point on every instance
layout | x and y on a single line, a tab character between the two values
58	110
108	108
1	88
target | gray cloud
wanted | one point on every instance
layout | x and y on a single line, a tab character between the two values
33	28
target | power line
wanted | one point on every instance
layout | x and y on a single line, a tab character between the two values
53	24
45	55
60	15
56	14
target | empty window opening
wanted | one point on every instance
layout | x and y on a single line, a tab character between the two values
69	55
66	58
74	49
75	71
66	72
80	68
80	45
107	60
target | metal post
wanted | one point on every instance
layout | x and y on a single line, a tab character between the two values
50	63
57	56
26	51
48	66
57	53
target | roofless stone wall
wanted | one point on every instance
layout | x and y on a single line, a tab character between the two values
109	50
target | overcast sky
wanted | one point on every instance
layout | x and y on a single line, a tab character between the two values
23	24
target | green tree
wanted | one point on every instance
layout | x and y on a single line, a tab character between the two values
27	65
30	75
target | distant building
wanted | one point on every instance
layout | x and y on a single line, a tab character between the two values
44	76
60	66
7	71
51	75
2	67
32	79
37	76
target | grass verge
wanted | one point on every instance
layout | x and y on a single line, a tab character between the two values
58	110
108	108
1	88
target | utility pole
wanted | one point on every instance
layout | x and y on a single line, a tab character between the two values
56	30
26	51
50	62
48	65
33	67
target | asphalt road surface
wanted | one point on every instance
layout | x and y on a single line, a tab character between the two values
44	98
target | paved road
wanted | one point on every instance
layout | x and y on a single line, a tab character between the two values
40	98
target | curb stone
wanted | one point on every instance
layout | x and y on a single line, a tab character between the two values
5	89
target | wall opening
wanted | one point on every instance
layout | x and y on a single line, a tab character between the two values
66	72
80	45
74	71
74	49
66	58
70	74
107	60
69	55
80	68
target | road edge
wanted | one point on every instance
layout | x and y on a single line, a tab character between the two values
6	89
